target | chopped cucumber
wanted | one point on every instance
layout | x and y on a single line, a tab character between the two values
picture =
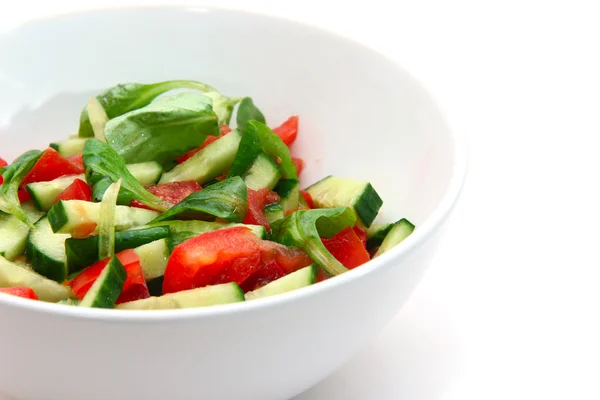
14	232
201	297
273	212
296	280
147	173
44	194
263	173
209	163
376	234
333	191
46	251
153	258
82	253
400	231
184	230
107	288
80	218
69	147
289	192
12	274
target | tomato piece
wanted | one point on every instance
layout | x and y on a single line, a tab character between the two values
225	129
300	164
173	192
362	235
50	166
3	163
308	198
271	198
77	162
256	204
225	255
267	273
347	248
291	259
78	190
288	130
82	283
23	195
21	291
322	275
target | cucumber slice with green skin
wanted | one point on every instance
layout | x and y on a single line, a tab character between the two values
46	251
201	297
333	191
44	194
80	218
154	257
14	233
12	275
296	280
180	231
147	173
289	192
107	287
209	163
263	173
82	253
69	147
376	234
400	231
273	212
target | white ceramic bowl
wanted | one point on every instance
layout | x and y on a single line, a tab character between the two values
362	116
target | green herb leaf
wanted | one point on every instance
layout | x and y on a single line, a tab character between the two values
100	187
247	111
274	147
305	228
226	199
106	223
101	160
164	129
222	106
250	147
13	176
123	98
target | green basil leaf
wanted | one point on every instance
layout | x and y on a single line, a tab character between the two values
305	228
247	111
13	176
274	147
249	148
100	187
164	129
226	199
123	98
100	161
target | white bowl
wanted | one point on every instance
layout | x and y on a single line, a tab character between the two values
362	116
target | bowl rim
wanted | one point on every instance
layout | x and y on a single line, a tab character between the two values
419	237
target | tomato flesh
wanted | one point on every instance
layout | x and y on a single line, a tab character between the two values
290	259
267	273
225	255
288	131
256	203
3	163
21	291
308	198
173	192
77	162
49	167
300	164
78	190
362	235
347	248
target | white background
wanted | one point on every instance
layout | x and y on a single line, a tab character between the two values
510	308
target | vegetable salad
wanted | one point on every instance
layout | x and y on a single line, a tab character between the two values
158	203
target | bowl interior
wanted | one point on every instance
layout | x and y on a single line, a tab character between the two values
361	115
